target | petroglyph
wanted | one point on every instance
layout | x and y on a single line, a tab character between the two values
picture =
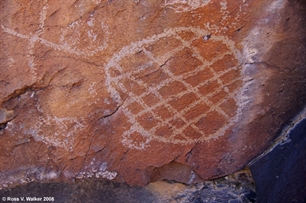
98	170
51	130
32	41
207	87
227	21
185	5
83	37
174	103
62	134
89	33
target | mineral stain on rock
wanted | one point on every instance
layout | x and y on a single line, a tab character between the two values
142	91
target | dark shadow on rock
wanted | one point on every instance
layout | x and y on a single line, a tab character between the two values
90	191
280	176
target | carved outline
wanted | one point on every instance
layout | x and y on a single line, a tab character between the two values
140	46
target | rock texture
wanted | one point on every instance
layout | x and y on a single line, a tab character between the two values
280	173
236	188
140	91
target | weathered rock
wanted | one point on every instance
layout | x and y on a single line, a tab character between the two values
138	91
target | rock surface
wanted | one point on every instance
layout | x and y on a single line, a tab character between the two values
236	188
140	91
280	173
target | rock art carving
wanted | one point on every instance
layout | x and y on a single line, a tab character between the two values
185	5
94	37
88	33
64	132
68	46
75	89
97	169
62	135
84	37
180	104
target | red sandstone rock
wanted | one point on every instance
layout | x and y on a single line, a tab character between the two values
139	91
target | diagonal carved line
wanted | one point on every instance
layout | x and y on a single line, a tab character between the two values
150	109
136	127
231	95
150	55
188	44
195	120
181	77
195	90
147	109
138	70
154	90
188	74
63	48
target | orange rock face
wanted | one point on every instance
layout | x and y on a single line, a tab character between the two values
138	91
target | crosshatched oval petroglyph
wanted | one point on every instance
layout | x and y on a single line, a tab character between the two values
185	5
180	88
